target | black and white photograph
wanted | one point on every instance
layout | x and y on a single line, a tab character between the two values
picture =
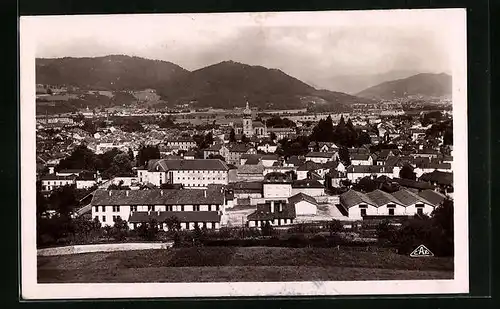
244	154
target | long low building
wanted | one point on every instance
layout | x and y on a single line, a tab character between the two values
203	207
379	203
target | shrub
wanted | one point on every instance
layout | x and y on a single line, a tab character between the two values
335	226
267	229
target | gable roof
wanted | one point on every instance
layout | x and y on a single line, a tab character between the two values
264	213
432	196
302	197
442	178
251	169
164	165
352	198
381	198
307	183
157	197
309	166
360	156
370	169
407	198
320	154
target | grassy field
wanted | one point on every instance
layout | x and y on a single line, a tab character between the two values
240	264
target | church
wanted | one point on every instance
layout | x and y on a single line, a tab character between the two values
249	127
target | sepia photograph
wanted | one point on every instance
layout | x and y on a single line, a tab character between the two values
244	154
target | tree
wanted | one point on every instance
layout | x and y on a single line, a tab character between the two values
89	126
149	230
366	184
63	200
120	229
209	139
232	136
344	156
267	229
147	153
80	158
406	172
130	154
173	224
121	166
335	226
272	136
364	139
198	235
244	139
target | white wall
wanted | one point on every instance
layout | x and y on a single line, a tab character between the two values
83	184
277	190
200	178
305	208
301	175
412	209
355	211
399	210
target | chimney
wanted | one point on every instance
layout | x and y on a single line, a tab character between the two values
161	192
205	193
109	192
126	192
272	206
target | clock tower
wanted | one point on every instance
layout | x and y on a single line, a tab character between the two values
247	121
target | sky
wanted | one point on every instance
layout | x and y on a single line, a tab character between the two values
311	46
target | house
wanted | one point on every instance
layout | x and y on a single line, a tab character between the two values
190	155
250	172
310	187
236	150
86	180
414	203
292	161
269	160
430	167
277	213
246	189
304	169
435	198
334	178
443	180
361	159
356	172
323	147
303	204
321	157
215	150
277	186
51	182
182	143
382	204
250	159
267	147
204	207
197	173
283	132
69	172
334	165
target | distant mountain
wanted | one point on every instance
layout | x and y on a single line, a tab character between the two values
353	84
424	84
229	84
226	84
115	72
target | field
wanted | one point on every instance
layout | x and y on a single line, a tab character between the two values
210	264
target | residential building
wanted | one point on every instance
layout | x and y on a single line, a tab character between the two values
304	204
236	150
204	207
277	213
183	143
51	182
310	187
197	173
277	186
321	157
361	159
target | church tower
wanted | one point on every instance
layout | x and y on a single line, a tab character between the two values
247	121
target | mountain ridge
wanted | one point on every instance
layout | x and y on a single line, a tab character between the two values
421	84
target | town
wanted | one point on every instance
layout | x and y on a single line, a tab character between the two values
246	167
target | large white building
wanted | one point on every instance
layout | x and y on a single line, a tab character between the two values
203	207
197	173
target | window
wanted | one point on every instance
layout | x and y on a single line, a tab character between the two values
116	208
196	207
103	218
182	207
97	209
420	211
217	207
209	207
169	208
151	208
114	218
96	218
363	212
133	208
103	208
391	211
